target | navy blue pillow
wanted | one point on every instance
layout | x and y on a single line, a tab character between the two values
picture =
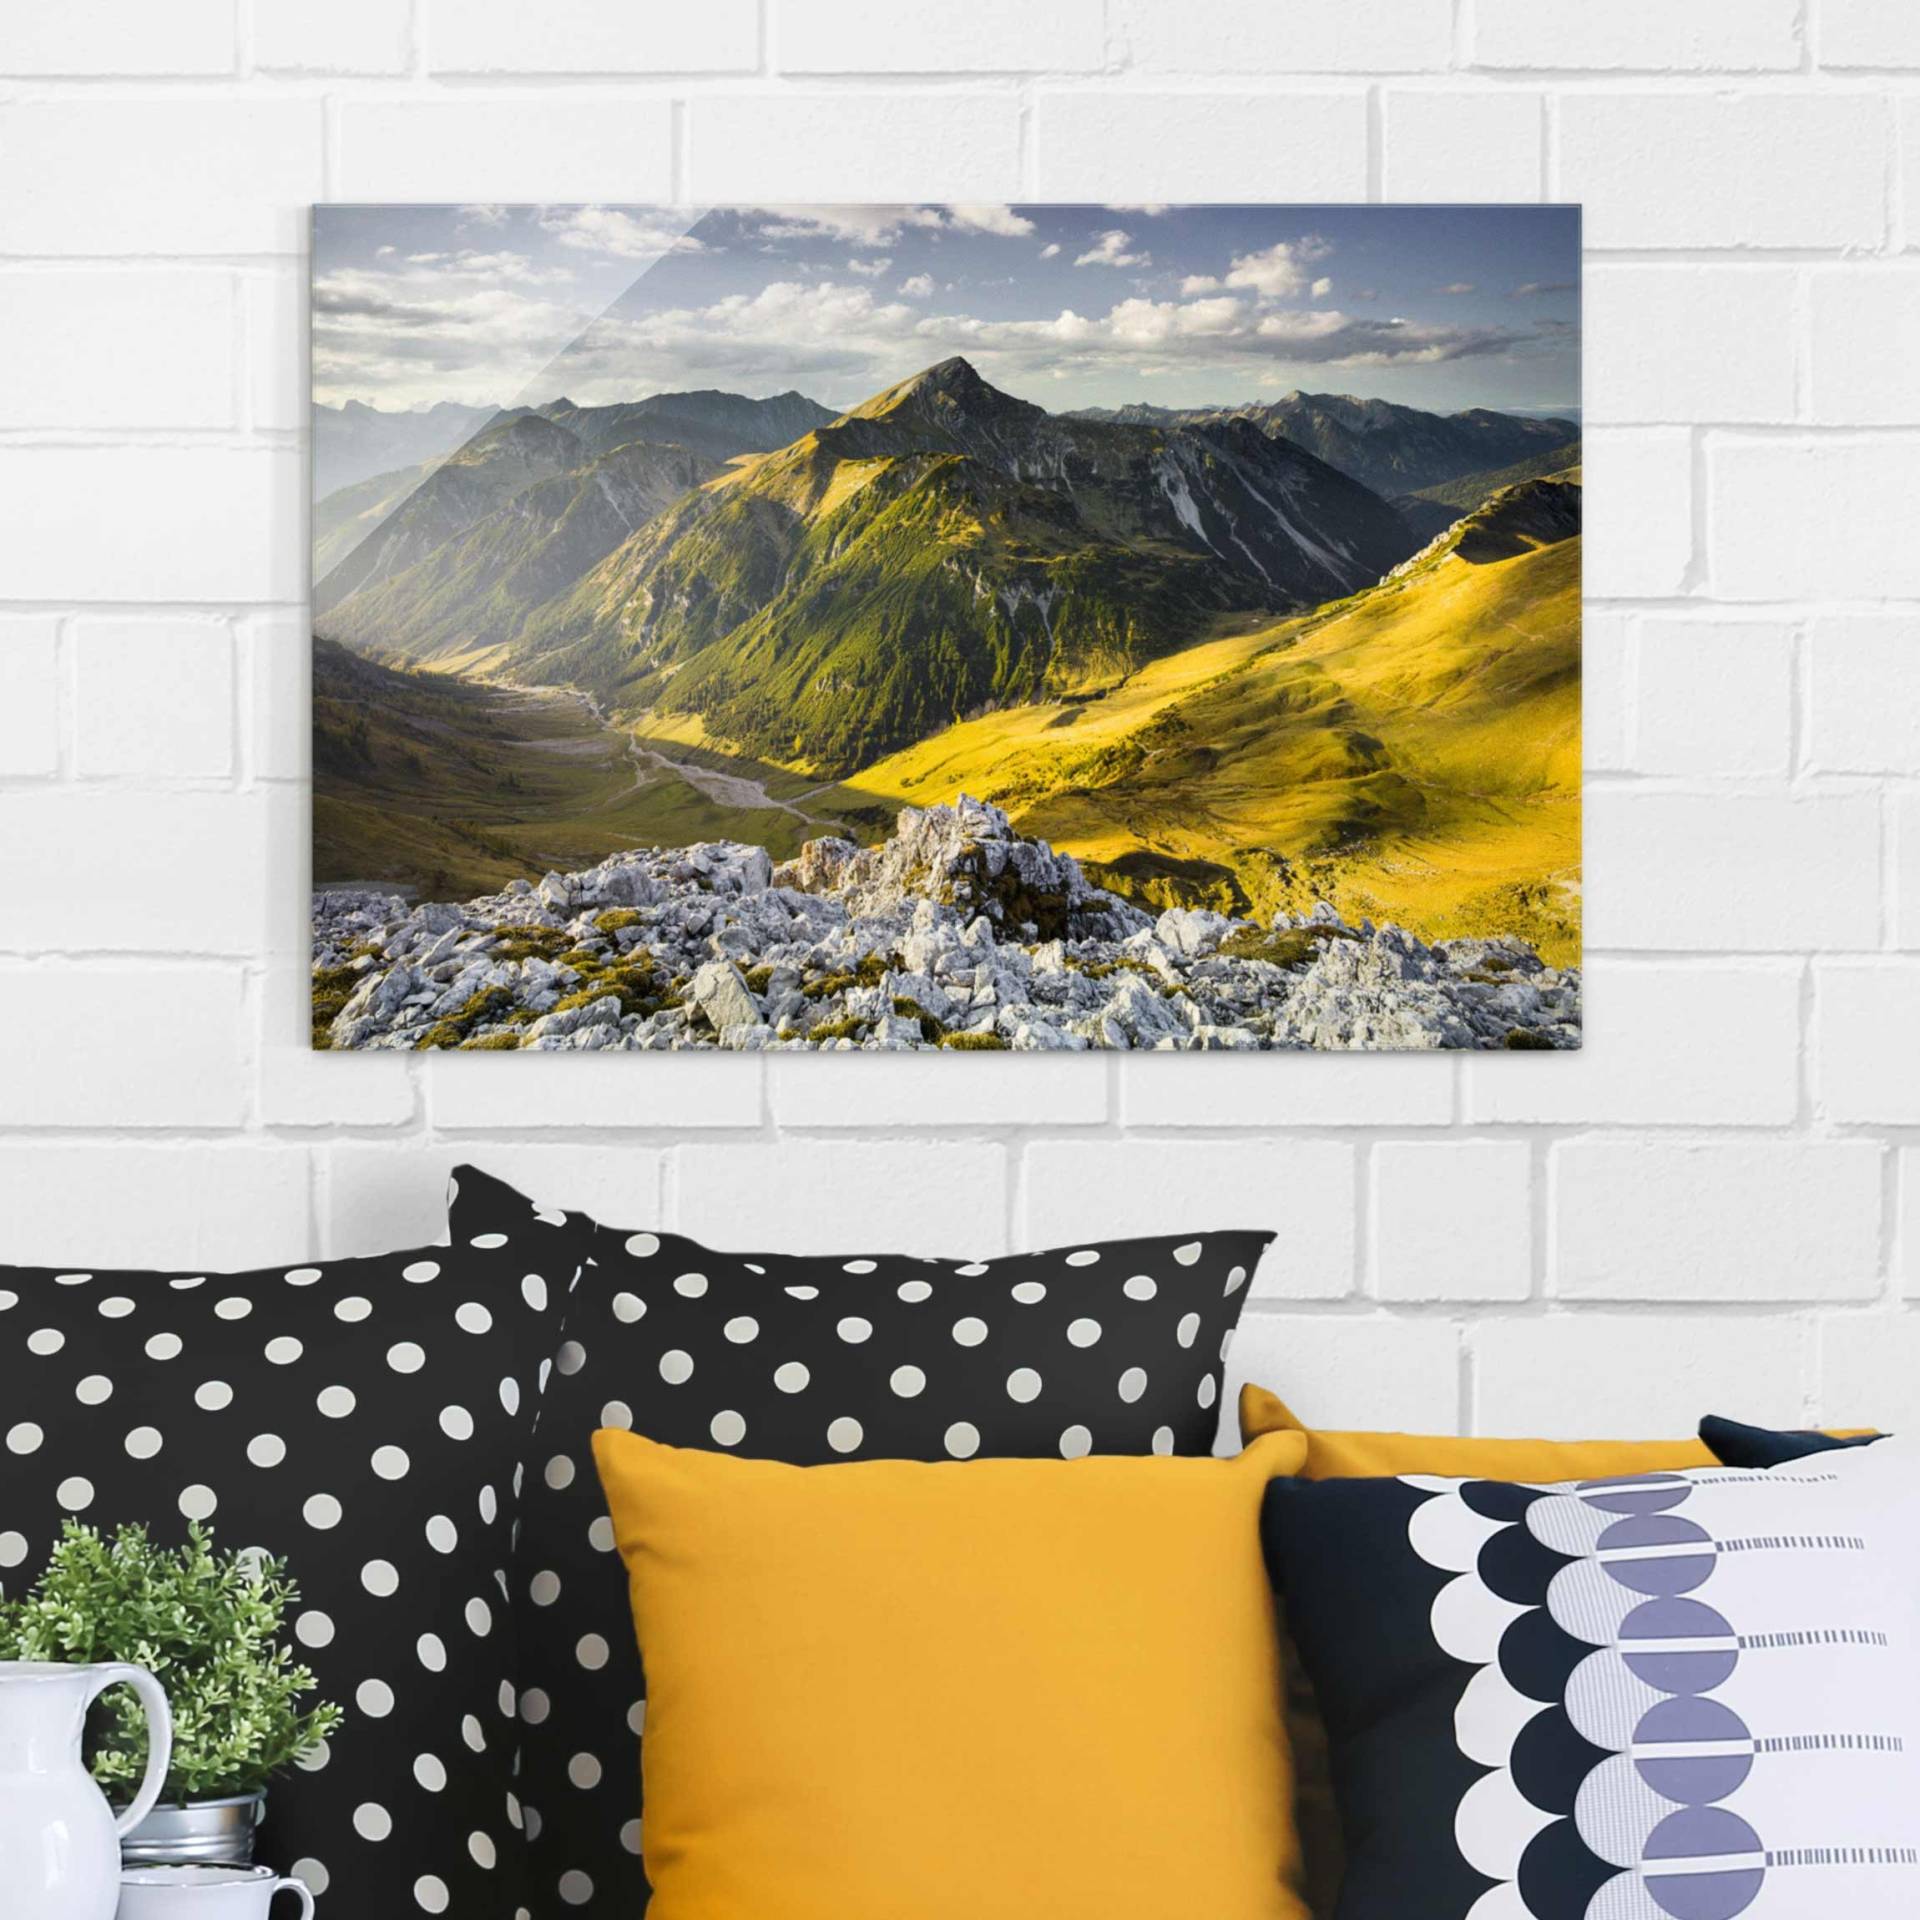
1734	1444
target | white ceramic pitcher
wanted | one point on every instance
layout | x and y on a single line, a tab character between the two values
59	1840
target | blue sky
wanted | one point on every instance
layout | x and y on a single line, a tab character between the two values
1440	307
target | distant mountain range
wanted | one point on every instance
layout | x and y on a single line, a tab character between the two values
1392	449
820	590
356	441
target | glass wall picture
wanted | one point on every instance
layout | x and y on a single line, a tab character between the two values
959	628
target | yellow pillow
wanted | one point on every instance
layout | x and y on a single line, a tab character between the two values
1379	1456
997	1690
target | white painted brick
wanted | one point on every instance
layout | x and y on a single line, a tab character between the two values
112	870
1865	321
1452	1220
1303	1189
942	1199
670	1091
1607	657
1713	1221
154	696
1639	511
1797	519
1908	1225
343	36
117	37
1456	145
174	174
197	1205
152	523
1689	344
1643	36
1199	146
924	36
909	1090
597	37
1905	904
91	348
1735	872
1863	693
1716	697
1685	359
273	310
297	1087
1711	1044
569	146
378	1196
1908	188
1635	1376
835	146
1315	1090
1866	33
1870	1371
1367	1371
1285	36
29	694
92	1054
1716	170
1866	1041
277	695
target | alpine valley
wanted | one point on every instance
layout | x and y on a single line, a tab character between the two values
1250	669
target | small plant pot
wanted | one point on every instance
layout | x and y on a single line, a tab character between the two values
202	1833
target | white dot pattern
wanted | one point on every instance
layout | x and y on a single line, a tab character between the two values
811	1361
301	1409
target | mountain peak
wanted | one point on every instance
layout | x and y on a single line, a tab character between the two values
955	374
946	394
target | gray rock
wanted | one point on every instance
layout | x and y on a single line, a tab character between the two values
720	993
982	930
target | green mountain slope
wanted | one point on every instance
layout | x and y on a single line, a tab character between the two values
1412	752
1473	489
945	547
475	590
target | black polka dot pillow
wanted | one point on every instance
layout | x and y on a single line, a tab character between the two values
1101	1349
366	1419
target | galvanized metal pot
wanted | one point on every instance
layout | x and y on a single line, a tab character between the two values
199	1834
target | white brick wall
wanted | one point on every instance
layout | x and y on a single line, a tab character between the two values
1717	1204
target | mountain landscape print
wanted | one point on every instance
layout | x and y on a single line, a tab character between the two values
960	628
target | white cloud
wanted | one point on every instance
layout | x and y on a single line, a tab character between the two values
483	214
464	327
1200	283
1458	286
1000	220
1279	271
1152	209
870	269
1322	287
1050	250
858	226
1110	250
609	230
472	264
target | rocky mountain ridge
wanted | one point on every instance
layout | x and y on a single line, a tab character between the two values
941	548
957	933
1394	449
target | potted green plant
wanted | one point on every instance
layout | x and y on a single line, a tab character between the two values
207	1625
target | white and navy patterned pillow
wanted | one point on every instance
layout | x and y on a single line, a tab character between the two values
1113	1348
366	1420
1678	1696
